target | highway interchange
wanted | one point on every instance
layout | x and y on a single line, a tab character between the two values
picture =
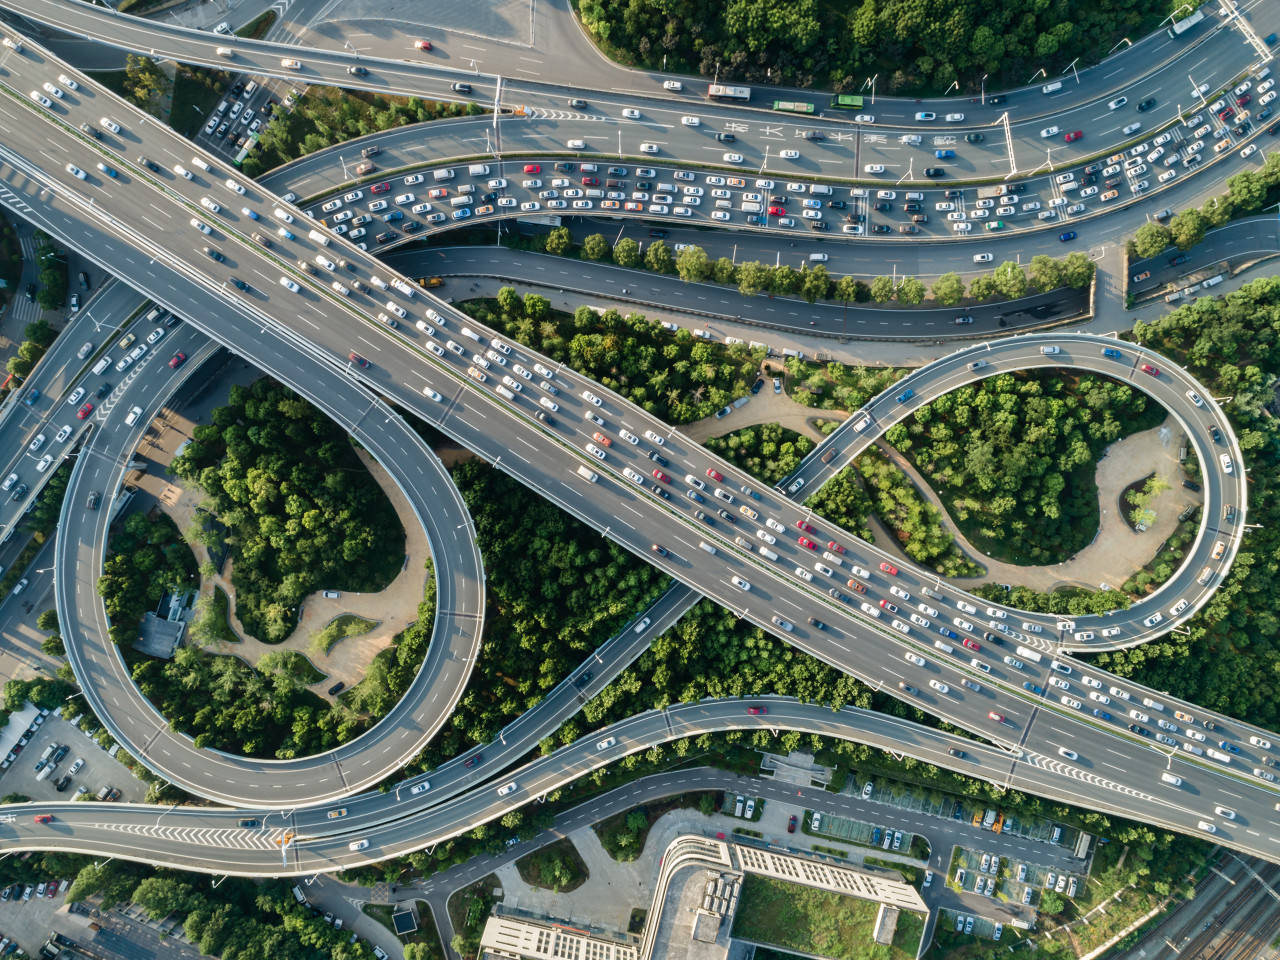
403	370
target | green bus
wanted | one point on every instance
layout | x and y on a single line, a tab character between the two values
793	106
846	101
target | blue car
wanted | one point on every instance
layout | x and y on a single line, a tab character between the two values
462	213
944	154
948	632
1112	354
1069	235
1102	714
32	397
1228	746
903	398
393	216
1032	687
251	214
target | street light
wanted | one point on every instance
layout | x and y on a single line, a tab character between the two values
1038	73
984	88
1124	40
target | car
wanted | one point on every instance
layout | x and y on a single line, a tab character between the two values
1074	136
889	569
1067	236
983	257
757	711
83	412
1048	132
1146	104
732	158
997	717
791	824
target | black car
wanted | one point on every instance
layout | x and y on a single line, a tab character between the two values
819	225
996	100
906	687
755	388
882	228
974	137
1092	168
660	550
336	688
31	292
472	761
581	680
726	516
953	194
1146	104
1215	433
837	595
19	492
814	621
248	823
491	196
92	502
657	458
856	217
214	254
780	200
385	237
658	234
357	71
1191	485
562	167
237	89
1140	731
1017	188
240	284
958	754
60	754
62	782
884	206
935	172
836	204
726	137
411	226
660	491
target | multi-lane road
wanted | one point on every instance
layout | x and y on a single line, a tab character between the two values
1004	701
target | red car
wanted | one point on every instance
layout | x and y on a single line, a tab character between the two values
51	890
177	360
591	181
84	411
659	475
715	475
43	818
855	586
533	168
805	527
806	542
891	607
382	187
777	212
791	824
422	44
757	711
972	645
599	437
997	717
1148	368
1242	101
831	544
472	761
356	358
1072	137
889	568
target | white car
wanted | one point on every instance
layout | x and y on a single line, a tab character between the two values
914	658
732	158
1069	754
675	85
50	89
1119	102
982	258
740	583
332	205
631	113
78	173
288	284
720	215
110	124
690	121
72	85
41	99
648	148
789	154
232	185
873	168
864	118
200	225
1048	132
577	144
954	118
962	227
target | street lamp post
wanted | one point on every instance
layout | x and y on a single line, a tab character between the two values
1038	73
984	88
1075	73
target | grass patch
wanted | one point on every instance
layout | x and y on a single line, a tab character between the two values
831	851
425	934
293	664
340	628
468	910
257	28
796	917
623	835
195	93
557	866
212	620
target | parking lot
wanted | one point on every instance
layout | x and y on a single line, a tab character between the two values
97	771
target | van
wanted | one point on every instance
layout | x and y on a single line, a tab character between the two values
819	189
1056	836
225	52
768	554
1152	704
586	473
1218	755
737	807
1212	282
199	162
48	751
1171	778
461	201
1052	87
297	894
944	646
318	237
748	206
1205	575
468	332
817	258
478	170
45	773
102	364
1033	655
503	391
789	352
445	173
703	545
1192	748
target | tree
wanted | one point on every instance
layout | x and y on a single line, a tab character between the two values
784	279
626	252
910	291
559	241
1009	280
536	306
1150	238
846	289
948	289
724	270
1046	272
595	247
692	264
509	302
882	289
1077	270
752	277
48	621
40	332
1187	228
814	283
658	257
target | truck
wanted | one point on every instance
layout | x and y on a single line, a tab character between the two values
994	191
